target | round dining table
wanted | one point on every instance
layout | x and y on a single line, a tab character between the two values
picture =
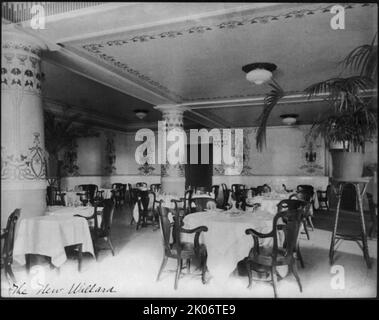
225	239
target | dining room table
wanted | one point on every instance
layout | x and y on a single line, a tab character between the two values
48	235
226	240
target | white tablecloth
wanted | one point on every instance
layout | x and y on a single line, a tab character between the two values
225	239
71	211
49	235
267	204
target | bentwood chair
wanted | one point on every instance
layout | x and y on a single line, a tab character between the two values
308	189
264	260
146	209
174	248
8	235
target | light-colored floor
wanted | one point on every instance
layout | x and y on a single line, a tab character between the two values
132	272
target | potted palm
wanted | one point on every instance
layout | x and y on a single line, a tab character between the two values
352	117
60	135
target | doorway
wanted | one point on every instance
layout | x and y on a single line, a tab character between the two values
199	175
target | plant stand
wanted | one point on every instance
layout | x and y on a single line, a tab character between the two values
338	185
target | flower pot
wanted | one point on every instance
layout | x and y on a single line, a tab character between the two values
347	165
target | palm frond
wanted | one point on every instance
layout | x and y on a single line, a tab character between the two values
363	59
270	102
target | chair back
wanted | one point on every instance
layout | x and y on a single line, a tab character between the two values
107	217
202	203
215	189
291	204
236	187
292	219
91	191
187	199
166	227
155	187
305	188
9	234
146	202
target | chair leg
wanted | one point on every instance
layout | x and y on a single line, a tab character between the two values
188	265
309	219
80	256
110	244
300	257
8	271
274	280
306	229
178	270
249	274
295	273
163	264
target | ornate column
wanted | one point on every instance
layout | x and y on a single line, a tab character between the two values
23	171
172	176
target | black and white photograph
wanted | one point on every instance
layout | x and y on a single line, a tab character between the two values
175	150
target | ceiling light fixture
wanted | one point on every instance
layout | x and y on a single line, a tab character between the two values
289	119
259	72
141	114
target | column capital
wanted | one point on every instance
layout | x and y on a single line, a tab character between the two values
171	109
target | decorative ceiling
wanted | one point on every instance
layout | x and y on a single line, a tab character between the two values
137	55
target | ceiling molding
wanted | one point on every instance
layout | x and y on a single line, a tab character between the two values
165	22
258	101
79	65
96	50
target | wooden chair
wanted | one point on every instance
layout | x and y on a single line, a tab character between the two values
373	214
215	189
307	218
8	235
104	231
187	200
54	197
322	197
265	260
155	187
286	189
295	204
146	209
239	195
175	248
91	192
200	204
226	204
119	193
